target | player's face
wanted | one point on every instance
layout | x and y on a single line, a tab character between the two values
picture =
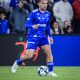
43	4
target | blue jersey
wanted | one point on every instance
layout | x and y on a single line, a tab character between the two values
42	20
4	26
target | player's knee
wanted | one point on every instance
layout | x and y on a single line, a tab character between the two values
30	54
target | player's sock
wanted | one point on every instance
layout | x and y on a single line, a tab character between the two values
19	61
50	66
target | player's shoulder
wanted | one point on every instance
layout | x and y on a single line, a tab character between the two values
48	13
34	11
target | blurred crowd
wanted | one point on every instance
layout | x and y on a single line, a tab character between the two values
65	15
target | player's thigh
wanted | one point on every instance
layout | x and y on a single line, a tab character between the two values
32	43
31	46
46	49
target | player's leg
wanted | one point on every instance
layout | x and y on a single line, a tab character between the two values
18	62
31	47
36	53
49	60
49	57
21	55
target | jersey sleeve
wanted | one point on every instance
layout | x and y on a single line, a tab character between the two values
48	28
29	21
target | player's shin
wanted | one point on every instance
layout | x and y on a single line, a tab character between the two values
50	66
49	61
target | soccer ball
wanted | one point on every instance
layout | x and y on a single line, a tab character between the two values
42	71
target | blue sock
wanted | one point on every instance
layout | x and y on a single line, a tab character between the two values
50	66
19	61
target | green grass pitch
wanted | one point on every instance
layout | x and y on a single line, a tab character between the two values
30	73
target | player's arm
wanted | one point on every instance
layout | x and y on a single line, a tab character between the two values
49	33
48	28
30	20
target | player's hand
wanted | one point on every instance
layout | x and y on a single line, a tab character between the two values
51	40
35	26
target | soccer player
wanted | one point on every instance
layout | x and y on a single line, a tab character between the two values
38	24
